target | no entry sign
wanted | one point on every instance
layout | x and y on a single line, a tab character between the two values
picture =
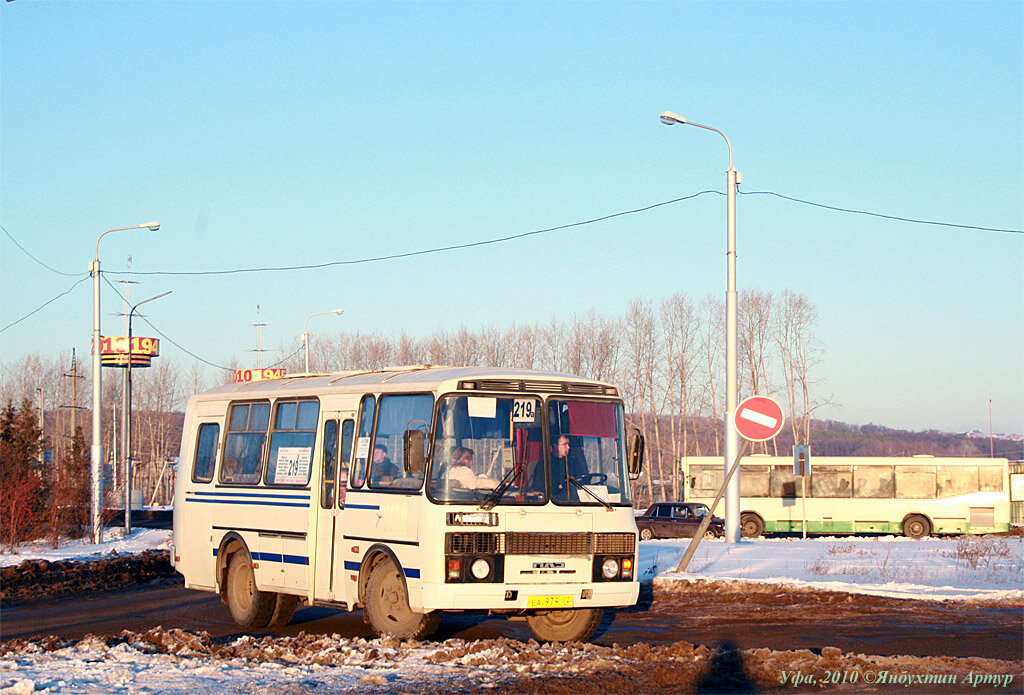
758	418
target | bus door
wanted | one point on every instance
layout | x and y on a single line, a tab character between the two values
338	428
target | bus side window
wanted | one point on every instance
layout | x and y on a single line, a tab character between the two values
291	442
394	415
347	431
358	473
206	452
328	483
244	443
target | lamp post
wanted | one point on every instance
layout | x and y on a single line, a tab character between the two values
305	333
96	471
128	422
732	493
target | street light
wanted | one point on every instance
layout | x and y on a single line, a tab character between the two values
732	493
97	414
305	333
128	423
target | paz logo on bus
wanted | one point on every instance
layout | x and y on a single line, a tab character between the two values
758	418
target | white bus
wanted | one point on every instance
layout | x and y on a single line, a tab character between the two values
341	490
917	496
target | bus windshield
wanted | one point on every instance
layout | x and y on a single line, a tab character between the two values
519	450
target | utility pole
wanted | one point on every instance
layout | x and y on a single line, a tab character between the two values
259	338
74	407
126	454
42	422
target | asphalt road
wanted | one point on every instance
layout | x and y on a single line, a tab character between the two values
779	621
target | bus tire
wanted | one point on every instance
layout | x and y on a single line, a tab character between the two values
916	526
284	610
570	625
386	605
249	606
646	534
751	525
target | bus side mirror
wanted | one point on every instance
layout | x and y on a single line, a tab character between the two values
413	452
636	455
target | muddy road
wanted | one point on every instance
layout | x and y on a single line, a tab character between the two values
705	613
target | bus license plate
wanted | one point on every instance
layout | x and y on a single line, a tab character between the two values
549	602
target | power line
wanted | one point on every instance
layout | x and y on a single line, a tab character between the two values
498	240
41	307
164	335
878	214
439	249
23	250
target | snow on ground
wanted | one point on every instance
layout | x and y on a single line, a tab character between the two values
990	568
114	542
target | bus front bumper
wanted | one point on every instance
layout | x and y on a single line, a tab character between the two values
519	597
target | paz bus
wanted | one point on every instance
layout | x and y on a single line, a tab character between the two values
915	496
341	490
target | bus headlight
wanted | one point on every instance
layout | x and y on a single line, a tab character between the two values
610	568
480	569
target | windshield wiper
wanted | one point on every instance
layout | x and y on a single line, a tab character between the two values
494	495
581	486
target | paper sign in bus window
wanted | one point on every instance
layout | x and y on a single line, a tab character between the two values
292	465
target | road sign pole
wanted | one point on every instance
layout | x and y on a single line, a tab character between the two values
699	535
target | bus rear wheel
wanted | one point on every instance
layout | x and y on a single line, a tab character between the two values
916	526
386	605
751	525
570	625
249	606
284	610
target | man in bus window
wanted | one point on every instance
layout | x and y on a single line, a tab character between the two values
383	470
565	460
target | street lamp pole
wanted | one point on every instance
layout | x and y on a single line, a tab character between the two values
732	493
305	333
96	471
128	423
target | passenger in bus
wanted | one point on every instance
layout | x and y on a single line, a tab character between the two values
382	470
461	473
565	460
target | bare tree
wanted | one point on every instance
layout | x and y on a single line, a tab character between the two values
680	331
712	344
753	336
800	353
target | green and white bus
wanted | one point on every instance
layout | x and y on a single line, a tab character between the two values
915	496
408	492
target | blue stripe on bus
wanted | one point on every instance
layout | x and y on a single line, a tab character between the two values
275	557
270	504
355	567
284	494
375	507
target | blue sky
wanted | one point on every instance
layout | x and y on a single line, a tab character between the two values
280	134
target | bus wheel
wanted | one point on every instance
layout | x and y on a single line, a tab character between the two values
387	605
645	534
284	610
916	526
249	606
751	525
571	625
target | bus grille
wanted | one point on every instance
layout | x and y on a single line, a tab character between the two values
471	543
623	543
523	543
548	543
